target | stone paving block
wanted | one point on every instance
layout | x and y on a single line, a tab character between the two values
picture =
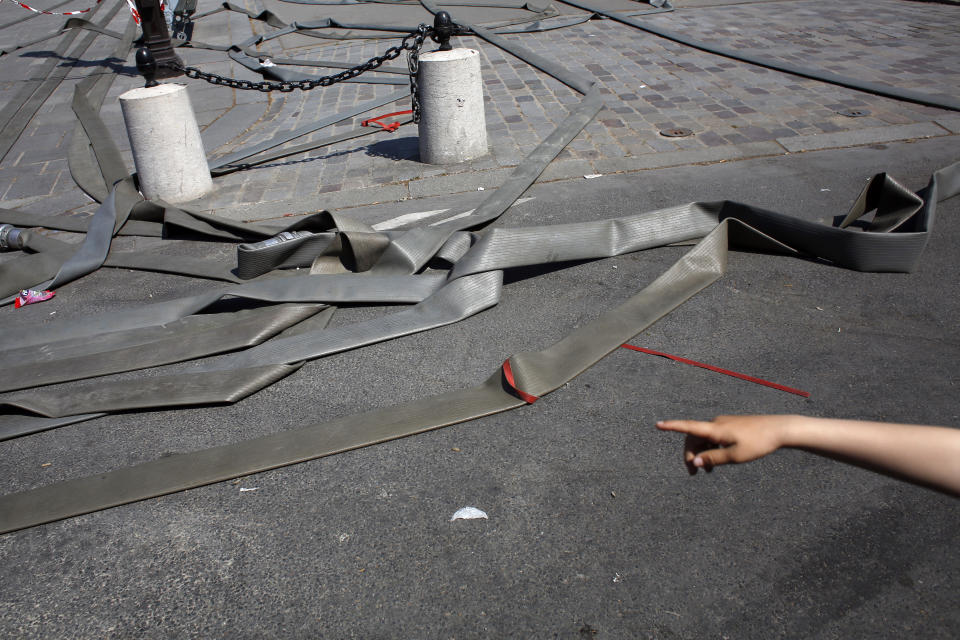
39	147
50	167
225	130
16	203
206	118
950	123
27	186
59	202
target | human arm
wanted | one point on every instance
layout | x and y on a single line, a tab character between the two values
921	454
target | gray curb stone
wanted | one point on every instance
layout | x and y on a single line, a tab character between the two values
862	136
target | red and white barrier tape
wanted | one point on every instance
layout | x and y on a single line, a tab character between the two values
130	3
57	13
133	9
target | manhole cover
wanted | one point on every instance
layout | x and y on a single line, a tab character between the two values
854	113
676	133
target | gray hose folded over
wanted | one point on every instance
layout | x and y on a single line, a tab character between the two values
85	155
57	263
88	256
454	302
184	389
26	367
474	281
11	428
531	374
527	375
330	289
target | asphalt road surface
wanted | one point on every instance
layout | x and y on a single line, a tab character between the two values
594	528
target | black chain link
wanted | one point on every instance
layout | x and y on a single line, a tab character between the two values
412	43
413	66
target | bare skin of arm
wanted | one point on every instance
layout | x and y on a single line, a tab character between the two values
929	456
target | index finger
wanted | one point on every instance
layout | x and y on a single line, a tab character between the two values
693	427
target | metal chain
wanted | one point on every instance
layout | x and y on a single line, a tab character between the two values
411	42
413	66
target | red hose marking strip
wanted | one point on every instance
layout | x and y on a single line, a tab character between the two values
726	372
392	126
508	374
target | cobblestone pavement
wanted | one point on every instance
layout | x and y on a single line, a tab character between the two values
734	109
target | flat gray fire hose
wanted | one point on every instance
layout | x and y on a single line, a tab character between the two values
72	23
893	241
335	289
509	248
92	251
147	347
523	378
113	216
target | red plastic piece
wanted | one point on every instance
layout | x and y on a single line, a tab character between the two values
390	126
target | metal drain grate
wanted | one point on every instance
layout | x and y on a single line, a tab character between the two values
679	132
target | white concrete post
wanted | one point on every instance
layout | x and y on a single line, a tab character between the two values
166	144
452	124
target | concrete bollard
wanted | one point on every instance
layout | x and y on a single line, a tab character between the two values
166	144
452	123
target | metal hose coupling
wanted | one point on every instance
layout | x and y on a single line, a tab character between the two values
10	238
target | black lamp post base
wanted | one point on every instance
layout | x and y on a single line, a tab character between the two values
164	55
156	38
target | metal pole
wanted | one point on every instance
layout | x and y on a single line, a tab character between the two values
157	38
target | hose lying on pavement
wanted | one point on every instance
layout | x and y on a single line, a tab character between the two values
522	379
393	264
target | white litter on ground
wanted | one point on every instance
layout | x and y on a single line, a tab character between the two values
468	513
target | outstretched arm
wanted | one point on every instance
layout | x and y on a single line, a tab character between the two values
924	455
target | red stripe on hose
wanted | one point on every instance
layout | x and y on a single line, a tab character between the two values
508	374
725	372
